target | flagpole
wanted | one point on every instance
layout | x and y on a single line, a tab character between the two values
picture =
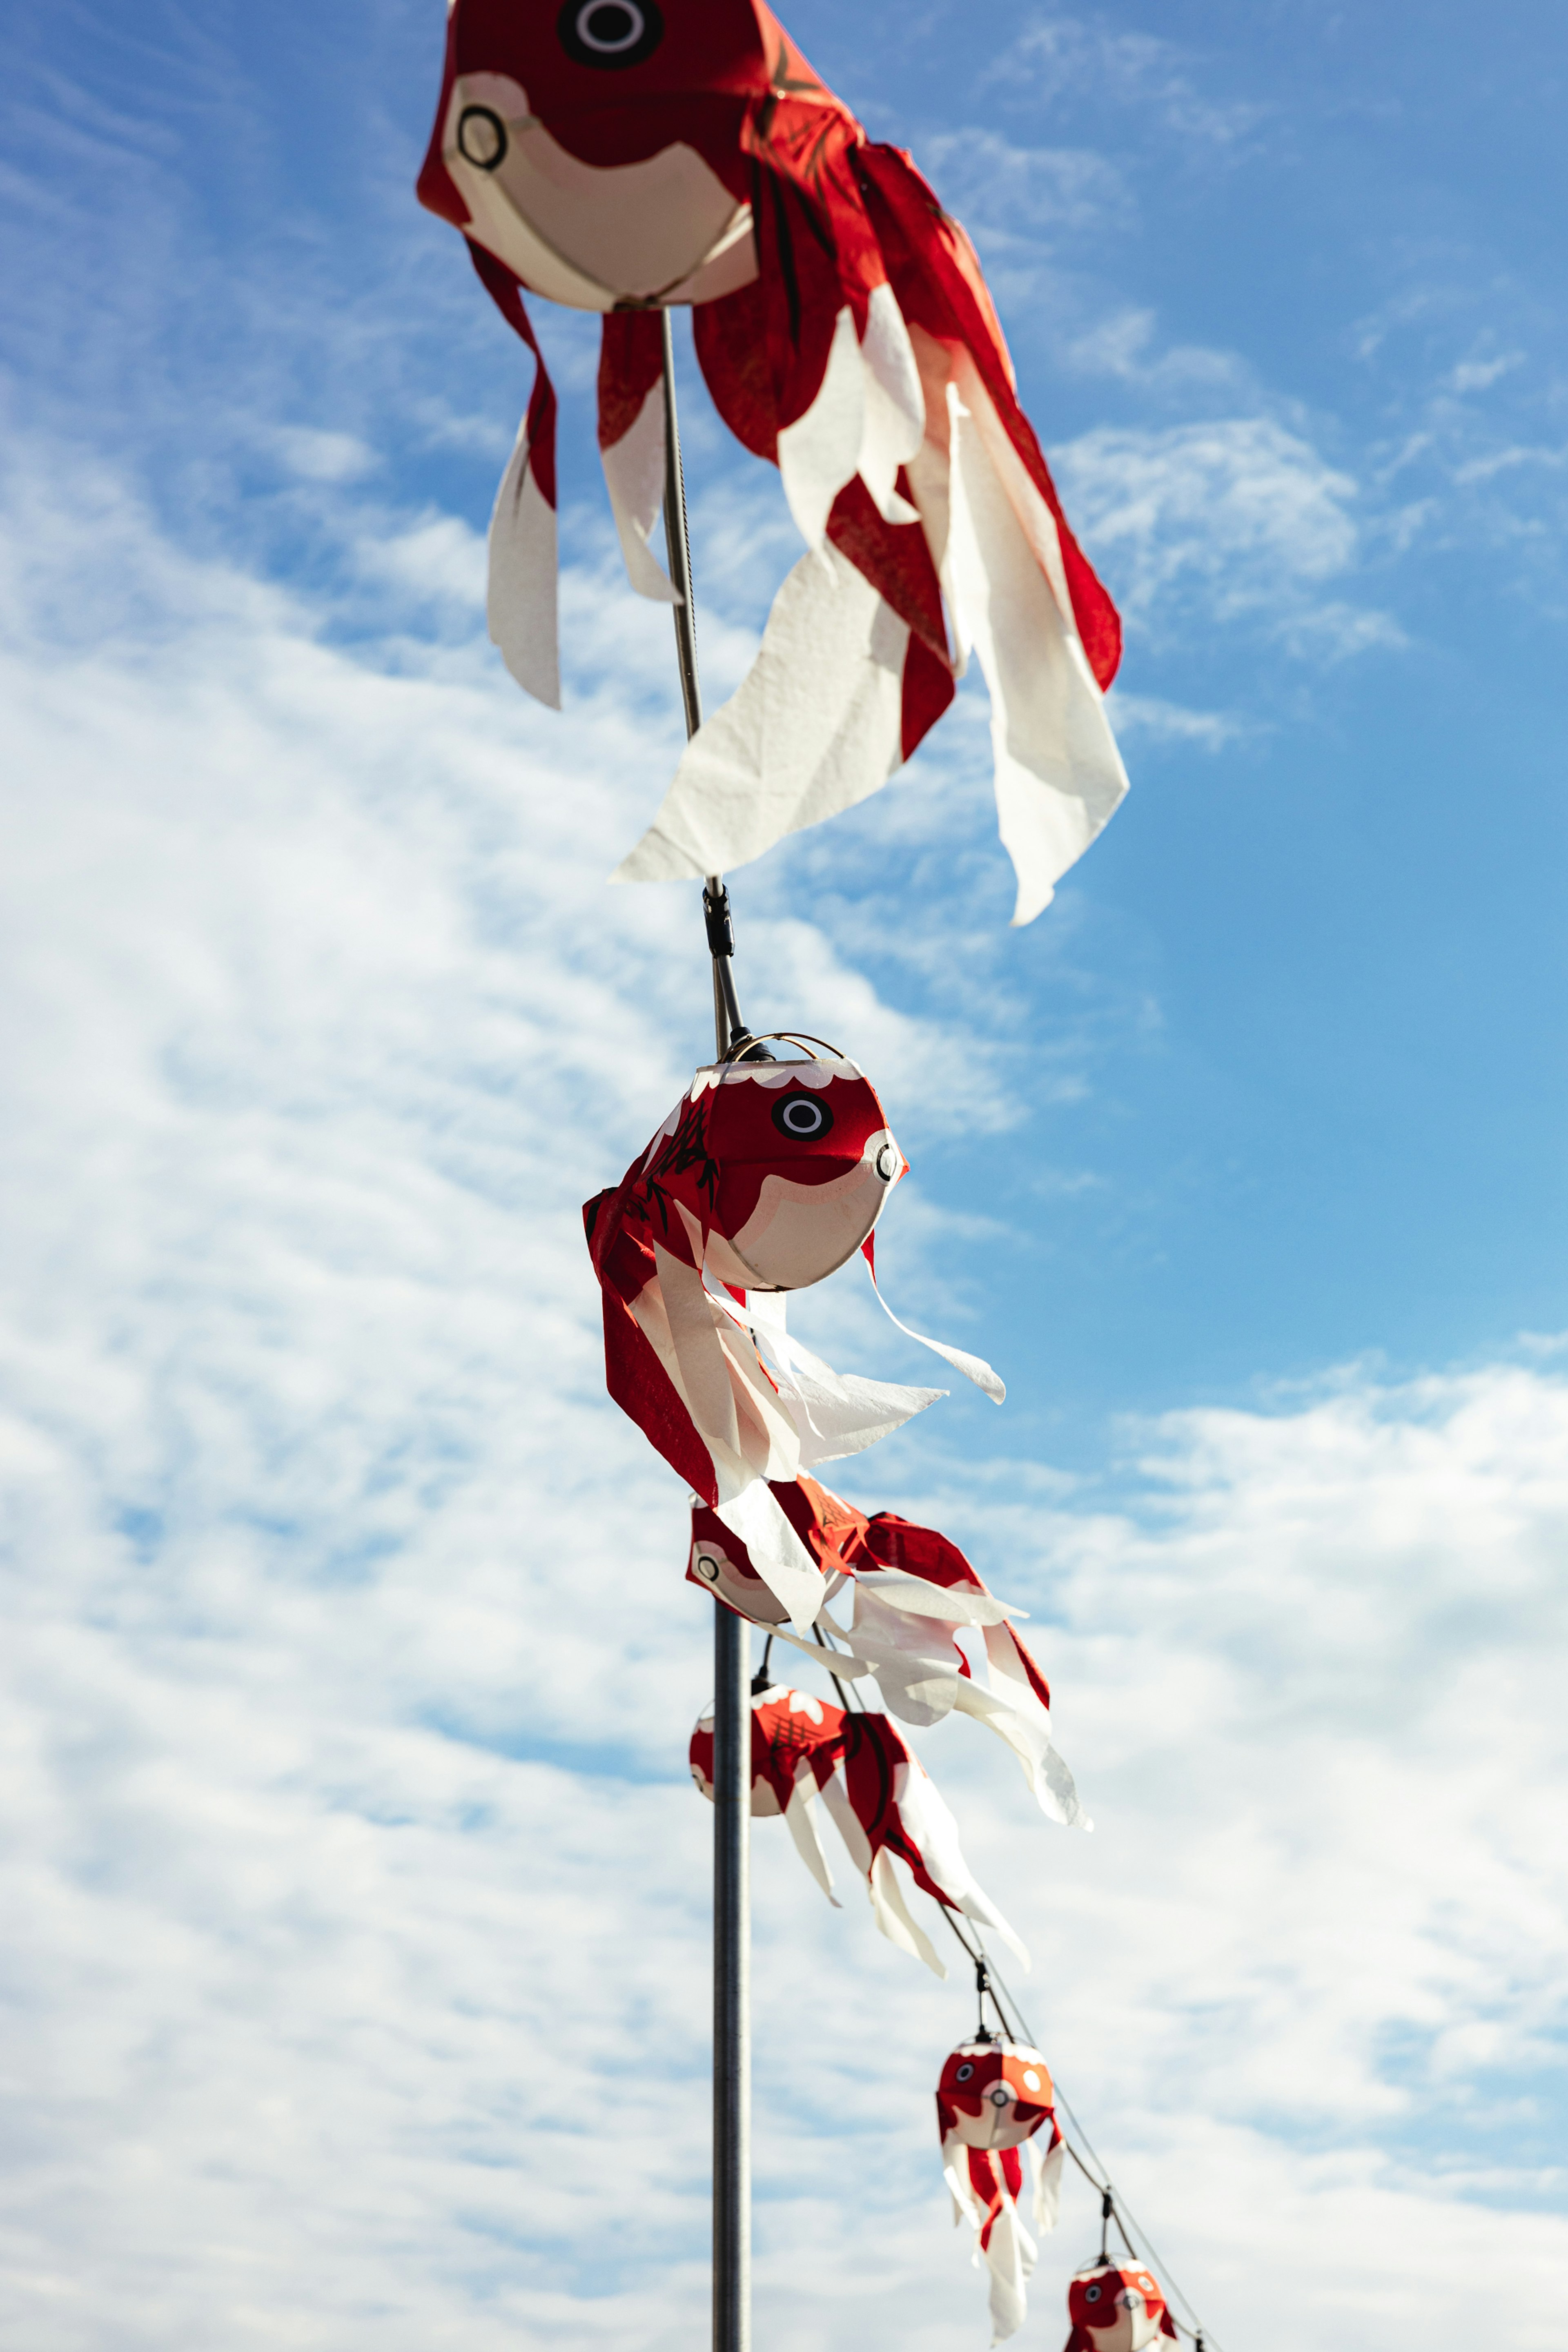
732	1635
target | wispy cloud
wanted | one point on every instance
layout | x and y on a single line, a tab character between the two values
1234	520
356	1964
1061	53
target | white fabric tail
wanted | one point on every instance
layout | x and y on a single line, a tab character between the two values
973	1367
521	600
815	725
634	475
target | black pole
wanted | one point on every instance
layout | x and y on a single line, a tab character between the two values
732	1635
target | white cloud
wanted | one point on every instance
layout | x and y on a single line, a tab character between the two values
322	456
1237	519
1144	715
1024	192
1060	53
355	1959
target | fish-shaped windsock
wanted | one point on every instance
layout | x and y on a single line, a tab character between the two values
1116	2309
619	156
796	1742
883	1803
995	2114
913	1593
765	1178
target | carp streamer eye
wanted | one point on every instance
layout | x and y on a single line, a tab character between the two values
887	1163
481	138
998	2097
802	1118
609	33
705	1565
965	2070
1091	2295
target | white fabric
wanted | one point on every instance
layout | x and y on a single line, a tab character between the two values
800	1815
590	234
520	604
1048	2176
815	725
894	419
777	1553
929	1822
1010	2257
973	1367
1058	774
634	475
834	1413
821	450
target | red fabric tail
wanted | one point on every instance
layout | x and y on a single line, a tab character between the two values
504	291
631	360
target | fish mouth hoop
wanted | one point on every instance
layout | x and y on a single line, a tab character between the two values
782	1037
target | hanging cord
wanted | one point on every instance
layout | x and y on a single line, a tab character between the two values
1096	2172
760	1680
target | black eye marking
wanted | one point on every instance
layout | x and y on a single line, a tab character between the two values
886	1162
1091	2295
609	34
705	1565
965	2070
802	1118
481	137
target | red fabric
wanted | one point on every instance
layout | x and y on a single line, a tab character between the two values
895	558
780	1737
873	1750
503	290
928	691
631	360
712	1163
834	217
1108	2281
731	338
893	1542
634	1376
936	277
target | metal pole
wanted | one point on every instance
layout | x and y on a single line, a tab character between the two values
727	1022
732	1635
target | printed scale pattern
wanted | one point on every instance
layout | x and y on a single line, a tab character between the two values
615	158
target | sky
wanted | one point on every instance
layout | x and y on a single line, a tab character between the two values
355	1979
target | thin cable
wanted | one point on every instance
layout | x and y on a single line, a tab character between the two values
1121	2212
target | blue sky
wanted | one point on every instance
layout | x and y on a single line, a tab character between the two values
336	1582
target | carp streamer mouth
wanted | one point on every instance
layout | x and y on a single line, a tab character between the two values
609	34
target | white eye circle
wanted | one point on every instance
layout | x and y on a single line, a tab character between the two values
705	1565
998	2097
1031	2080
610	25
481	137
886	1162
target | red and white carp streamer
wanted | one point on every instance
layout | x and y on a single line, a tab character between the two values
1116	2309
913	1594
765	1178
618	156
884	1805
994	2107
